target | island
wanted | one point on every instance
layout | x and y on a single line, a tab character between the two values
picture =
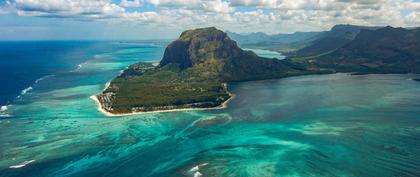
196	69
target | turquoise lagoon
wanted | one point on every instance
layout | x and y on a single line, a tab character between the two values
318	125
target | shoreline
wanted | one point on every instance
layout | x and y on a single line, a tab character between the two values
106	113
109	114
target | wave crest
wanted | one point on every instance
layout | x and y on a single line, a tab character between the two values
22	164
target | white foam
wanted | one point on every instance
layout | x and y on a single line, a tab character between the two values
24	91
42	78
22	164
194	169
3	108
78	67
203	164
2	111
197	174
107	85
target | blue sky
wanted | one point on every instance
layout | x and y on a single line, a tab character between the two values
165	19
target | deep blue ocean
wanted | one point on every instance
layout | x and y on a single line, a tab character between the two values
22	63
315	125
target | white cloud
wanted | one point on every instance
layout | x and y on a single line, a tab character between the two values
131	3
271	16
92	9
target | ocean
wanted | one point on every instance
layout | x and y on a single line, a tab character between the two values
317	125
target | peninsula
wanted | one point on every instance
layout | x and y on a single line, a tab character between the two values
193	74
196	69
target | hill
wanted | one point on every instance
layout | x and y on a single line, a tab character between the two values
329	41
385	50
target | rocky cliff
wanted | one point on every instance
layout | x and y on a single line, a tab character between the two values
209	50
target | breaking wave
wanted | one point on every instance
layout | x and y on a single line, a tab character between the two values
3	110
43	78
78	67
22	164
26	90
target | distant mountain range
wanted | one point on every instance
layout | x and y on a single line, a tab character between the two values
347	48
328	41
300	43
259	37
384	50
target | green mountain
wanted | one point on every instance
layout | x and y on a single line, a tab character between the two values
210	53
301	44
329	41
192	74
385	50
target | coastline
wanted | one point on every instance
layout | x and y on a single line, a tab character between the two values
106	113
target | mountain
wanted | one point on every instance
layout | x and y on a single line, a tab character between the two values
384	50
329	41
259	37
203	50
301	44
193	73
251	38
277	42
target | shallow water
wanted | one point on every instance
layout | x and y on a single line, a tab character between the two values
320	125
268	53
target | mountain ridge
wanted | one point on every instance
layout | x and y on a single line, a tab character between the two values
384	50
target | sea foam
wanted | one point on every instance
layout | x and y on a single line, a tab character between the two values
42	78
24	91
197	174
2	111
22	164
196	170
78	67
3	108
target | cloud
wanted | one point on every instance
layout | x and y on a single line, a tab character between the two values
92	9
131	3
270	16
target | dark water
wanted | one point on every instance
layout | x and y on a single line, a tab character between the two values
320	125
22	63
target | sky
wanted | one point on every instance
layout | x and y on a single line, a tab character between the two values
166	19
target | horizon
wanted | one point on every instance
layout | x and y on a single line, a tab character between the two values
163	19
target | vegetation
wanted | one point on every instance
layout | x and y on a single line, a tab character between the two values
162	88
328	41
385	50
